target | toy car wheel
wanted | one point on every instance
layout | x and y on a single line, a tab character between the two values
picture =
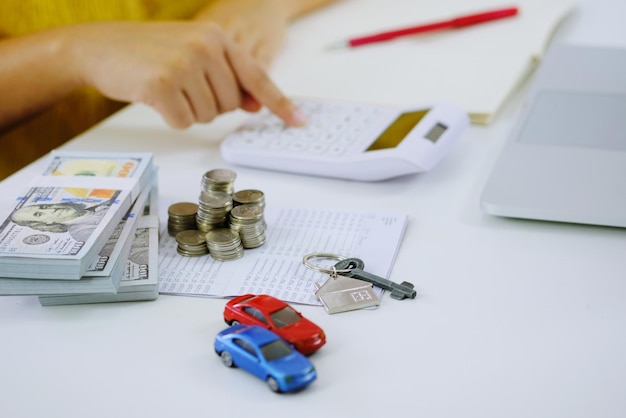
234	322
273	384
227	359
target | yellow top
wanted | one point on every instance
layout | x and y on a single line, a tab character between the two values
86	107
18	17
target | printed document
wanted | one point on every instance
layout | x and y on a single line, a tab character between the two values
276	268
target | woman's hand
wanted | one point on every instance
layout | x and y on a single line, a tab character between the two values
188	71
259	26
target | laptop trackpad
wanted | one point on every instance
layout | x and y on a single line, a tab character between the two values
578	119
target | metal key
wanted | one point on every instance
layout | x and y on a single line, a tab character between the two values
355	265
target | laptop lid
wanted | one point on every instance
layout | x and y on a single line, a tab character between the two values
565	159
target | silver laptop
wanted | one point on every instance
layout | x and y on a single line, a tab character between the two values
565	160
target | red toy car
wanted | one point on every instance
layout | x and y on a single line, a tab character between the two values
277	316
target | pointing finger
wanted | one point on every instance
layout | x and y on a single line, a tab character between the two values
255	82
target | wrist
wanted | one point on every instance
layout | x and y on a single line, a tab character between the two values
37	70
64	54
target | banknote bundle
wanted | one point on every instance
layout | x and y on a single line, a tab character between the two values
73	232
139	276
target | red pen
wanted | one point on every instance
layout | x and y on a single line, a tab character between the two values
456	23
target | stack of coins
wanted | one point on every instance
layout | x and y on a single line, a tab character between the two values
248	221
182	216
249	197
222	223
224	244
191	243
219	180
213	210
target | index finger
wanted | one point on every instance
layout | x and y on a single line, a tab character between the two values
255	81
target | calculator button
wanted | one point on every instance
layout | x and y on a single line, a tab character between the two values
332	129
336	151
327	138
317	148
297	146
310	137
279	143
273	130
250	141
290	133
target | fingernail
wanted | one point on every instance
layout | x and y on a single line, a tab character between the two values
298	118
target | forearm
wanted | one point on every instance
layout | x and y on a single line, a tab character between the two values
35	72
187	71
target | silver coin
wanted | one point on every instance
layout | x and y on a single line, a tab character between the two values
214	200
187	253
247	212
249	196
191	237
220	175
182	209
221	236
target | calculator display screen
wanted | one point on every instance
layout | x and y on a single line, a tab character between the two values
398	130
436	131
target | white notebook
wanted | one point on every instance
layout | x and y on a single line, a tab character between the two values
476	67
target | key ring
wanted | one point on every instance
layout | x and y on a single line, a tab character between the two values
333	272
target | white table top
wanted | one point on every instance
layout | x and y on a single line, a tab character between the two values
514	318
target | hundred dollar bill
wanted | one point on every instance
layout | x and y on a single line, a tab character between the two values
53	233
118	244
98	169
142	264
152	205
69	212
93	285
65	163
96	285
139	280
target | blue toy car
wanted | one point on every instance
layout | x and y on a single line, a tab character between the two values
265	355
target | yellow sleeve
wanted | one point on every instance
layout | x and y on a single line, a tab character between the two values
18	17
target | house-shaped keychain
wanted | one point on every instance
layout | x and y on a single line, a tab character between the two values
341	294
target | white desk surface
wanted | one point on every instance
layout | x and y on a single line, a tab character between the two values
514	318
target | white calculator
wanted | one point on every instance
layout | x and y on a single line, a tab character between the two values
348	140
